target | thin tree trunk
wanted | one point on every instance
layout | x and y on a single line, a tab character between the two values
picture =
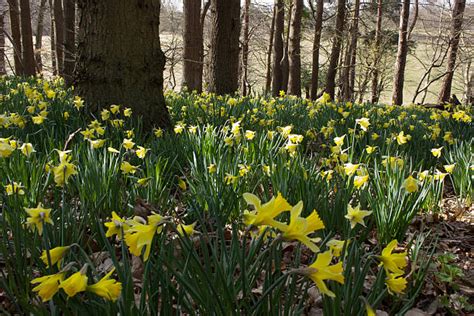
376	51
69	40
348	74
59	31
285	65
316	43
193	46
52	36
29	66
399	77
3	70
414	20
268	77
114	65
294	81
225	33
456	30
277	78
336	49
39	36
470	86
16	36
244	88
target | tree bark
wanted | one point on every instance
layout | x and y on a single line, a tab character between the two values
16	36
193	46
244	88
52	36
277	78
399	77
114	65
39	36
376	51
28	53
59	32
3	69
348	74
285	64
268	81
318	24
294	81
456	30
69	40
336	49
225	34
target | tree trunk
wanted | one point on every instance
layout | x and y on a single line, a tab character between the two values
336	49
456	30
39	36
285	65
69	40
294	81
59	31
29	66
114	65
268	78
16	36
399	77
316	43
348	74
375	74
52	36
3	70
277	78
245	49
225	33
193	46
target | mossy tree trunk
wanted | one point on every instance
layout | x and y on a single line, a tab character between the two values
119	57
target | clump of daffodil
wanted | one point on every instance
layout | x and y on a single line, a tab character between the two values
48	285
356	215
410	184
56	255
106	288
140	234
322	270
65	169
392	262
37	217
264	214
6	149
300	228
14	188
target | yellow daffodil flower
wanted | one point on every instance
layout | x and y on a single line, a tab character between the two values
127	168
117	226
27	149
396	283
140	236
436	152
76	283
410	184
321	270
56	255
356	215
392	262
264	214
359	181
14	188
37	217
107	288
48	285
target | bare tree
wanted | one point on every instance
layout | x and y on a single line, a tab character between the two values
28	54
277	79
3	70
399	76
348	73
318	16
294	81
244	88
456	28
375	74
39	35
59	32
336	49
69	40
268	77
54	62
16	35
225	33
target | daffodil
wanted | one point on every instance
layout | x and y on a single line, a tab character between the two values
128	144
76	283
264	214
27	149
114	109
249	135
322	270
127	168
396	283
336	246
63	172
299	227
436	152
38	216
370	149
187	230
401	138
113	150
356	215
6	150
141	152
410	184
116	226
449	168
97	143
393	262
14	188
56	255
48	285
359	181
212	168
350	168
127	112
140	235
364	123
107	288
339	141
